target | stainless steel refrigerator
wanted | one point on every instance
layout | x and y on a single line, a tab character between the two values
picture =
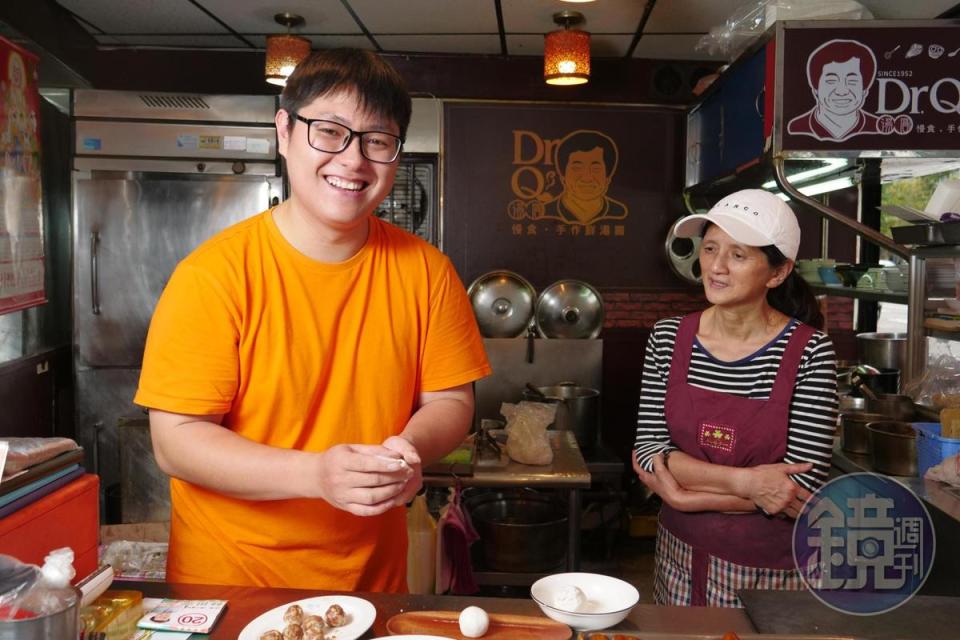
154	175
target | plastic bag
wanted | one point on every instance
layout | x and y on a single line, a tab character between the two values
135	559
753	18
29	591
421	547
526	429
26	452
946	471
939	386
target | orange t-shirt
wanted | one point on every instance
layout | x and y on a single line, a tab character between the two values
302	355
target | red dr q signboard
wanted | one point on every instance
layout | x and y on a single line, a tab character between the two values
871	88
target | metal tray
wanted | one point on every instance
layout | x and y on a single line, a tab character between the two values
927	234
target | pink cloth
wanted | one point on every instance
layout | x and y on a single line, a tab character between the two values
455	535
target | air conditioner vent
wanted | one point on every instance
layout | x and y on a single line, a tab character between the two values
174	102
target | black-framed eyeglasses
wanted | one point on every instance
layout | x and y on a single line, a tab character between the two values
333	137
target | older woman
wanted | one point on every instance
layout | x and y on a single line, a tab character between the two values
738	409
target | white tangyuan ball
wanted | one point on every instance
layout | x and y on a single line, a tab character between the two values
569	598
474	622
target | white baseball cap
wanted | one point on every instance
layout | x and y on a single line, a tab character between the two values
754	217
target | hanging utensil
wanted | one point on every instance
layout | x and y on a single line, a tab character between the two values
536	392
861	385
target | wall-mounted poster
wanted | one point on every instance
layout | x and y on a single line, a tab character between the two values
21	209
561	191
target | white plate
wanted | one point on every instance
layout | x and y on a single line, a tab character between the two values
360	613
413	637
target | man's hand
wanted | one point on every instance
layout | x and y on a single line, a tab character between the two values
410	455
366	480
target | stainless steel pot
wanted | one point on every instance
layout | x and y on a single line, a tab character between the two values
893	448
886	381
62	624
578	410
894	406
520	531
852	404
883	350
853	431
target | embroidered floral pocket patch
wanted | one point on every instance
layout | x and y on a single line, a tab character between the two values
715	436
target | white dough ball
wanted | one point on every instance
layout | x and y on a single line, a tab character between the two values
569	598
474	622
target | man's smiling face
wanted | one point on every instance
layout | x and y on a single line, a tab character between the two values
840	89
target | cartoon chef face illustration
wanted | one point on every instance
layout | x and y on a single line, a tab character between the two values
840	89
840	74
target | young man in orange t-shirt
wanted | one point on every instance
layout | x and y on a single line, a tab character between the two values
302	365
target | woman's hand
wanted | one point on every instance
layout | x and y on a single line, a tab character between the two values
662	482
769	487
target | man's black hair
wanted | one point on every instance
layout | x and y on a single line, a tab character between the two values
378	86
586	141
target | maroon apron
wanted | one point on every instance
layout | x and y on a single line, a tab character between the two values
734	431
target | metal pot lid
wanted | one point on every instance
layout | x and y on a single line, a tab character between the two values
683	256
503	303
569	309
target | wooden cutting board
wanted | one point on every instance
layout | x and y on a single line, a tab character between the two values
503	626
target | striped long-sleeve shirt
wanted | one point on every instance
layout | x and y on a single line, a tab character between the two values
813	408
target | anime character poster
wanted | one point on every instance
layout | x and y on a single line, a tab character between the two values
21	208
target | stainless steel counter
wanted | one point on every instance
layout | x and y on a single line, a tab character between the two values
568	471
943	505
938	494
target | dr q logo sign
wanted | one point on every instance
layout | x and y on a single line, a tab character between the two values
864	544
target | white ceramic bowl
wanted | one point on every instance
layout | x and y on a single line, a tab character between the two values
608	600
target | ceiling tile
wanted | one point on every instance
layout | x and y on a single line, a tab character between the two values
667	47
902	10
427	16
606	16
525	45
185	41
606	46
321	41
256	16
601	46
484	44
691	16
144	16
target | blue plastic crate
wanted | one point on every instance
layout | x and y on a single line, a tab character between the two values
931	447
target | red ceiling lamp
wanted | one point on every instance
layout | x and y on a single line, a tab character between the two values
285	52
566	52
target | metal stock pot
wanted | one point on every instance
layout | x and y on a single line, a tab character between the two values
578	410
63	624
523	531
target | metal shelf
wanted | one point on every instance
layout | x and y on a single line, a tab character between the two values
861	294
938	251
942	335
